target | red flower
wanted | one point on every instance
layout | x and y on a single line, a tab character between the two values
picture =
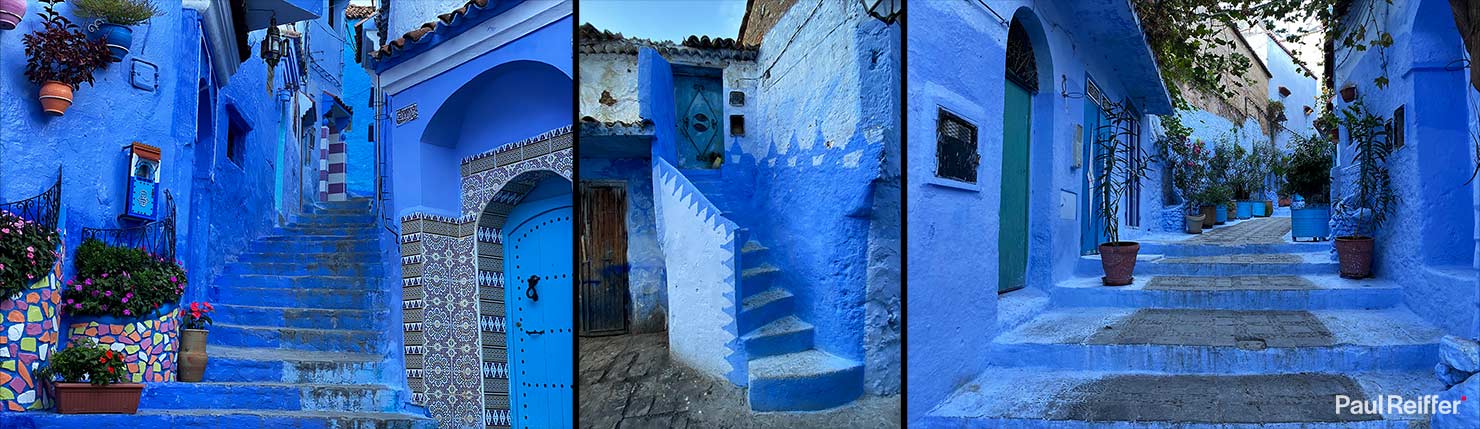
194	306
110	370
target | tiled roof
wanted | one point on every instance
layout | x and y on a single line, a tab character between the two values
359	12
597	41
448	25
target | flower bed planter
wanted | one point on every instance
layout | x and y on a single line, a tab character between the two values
149	343
28	335
84	398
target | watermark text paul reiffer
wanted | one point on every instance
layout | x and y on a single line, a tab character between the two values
1397	404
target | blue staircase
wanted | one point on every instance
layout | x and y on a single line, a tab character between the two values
786	371
295	341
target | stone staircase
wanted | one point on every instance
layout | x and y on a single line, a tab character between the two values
1242	332
295	341
786	371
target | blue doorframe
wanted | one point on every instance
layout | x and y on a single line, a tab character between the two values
540	327
1092	233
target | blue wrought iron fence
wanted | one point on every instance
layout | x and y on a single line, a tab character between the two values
157	237
44	208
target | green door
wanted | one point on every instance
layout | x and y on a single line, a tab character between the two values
1012	240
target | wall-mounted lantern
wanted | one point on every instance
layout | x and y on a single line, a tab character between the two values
143	182
271	50
885	10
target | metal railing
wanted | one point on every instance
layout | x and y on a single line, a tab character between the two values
44	208
157	237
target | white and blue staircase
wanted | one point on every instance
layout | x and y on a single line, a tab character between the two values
786	371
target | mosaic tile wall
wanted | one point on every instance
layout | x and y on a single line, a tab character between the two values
452	275
28	334
149	346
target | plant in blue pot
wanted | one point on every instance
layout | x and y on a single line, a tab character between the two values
1308	180
114	19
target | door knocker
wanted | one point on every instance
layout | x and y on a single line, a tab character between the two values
531	292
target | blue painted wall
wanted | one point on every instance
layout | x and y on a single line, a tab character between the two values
1429	240
1303	89
646	278
952	229
356	92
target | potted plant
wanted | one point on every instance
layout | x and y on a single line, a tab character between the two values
87	379
60	57
1308	180
1264	160
1187	159
1222	165
116	17
1241	176
193	342
1120	164
1372	197
11	13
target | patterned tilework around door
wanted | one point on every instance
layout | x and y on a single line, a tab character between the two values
453	286
28	334
148	345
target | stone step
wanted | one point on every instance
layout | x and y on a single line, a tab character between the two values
360	268
317	238
347	257
1312	263
1219	341
296	282
338	229
290	247
1231	293
354	203
803	381
344	299
295	317
271	396
786	335
218	419
255	364
333	340
758	279
1032	398
1174	249
765	307
351	218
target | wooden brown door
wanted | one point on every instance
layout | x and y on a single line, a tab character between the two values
603	290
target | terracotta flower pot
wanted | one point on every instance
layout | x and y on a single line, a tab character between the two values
1210	216
1355	254
192	355
1195	223
1349	93
84	398
56	97
11	12
1284	201
1268	208
1119	261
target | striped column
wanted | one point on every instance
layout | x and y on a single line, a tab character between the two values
337	165
323	155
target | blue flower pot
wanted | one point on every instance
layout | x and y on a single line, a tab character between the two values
1311	222
1222	211
1259	210
1245	209
119	39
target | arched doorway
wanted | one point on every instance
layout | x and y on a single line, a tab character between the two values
525	239
1021	83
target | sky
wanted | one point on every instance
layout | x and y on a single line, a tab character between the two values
665	19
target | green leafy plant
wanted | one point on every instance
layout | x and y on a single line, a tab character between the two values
121	281
61	52
199	315
27	252
1263	160
1372	198
1120	164
1308	173
85	360
121	12
1188	161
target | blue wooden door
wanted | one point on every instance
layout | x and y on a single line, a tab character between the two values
539	305
696	97
1012	238
1092	226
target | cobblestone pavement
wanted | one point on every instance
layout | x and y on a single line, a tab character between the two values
1211	399
1270	230
1245	329
628	381
1257	258
1229	283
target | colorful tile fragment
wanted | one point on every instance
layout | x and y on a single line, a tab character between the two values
28	334
148	346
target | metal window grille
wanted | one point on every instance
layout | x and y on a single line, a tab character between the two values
956	155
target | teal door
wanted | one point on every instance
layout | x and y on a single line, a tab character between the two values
1012	239
539	309
696	96
1093	231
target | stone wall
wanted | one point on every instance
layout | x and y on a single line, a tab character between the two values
609	87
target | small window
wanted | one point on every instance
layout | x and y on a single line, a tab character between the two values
1395	128
956	155
737	125
236	135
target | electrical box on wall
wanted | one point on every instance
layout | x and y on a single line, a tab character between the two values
143	182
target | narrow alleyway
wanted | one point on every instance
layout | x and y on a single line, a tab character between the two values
634	384
1238	325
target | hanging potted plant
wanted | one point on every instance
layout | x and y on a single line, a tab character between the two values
1371	198
60	57
11	13
193	342
115	17
87	379
1121	165
1308	180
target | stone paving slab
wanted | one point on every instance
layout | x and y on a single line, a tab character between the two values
628	381
1255	258
1196	283
1253	231
1077	325
1255	330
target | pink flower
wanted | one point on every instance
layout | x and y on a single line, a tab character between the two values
125	300
125	312
87	281
69	301
107	293
172	279
5	230
30	249
78	287
77	306
105	275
